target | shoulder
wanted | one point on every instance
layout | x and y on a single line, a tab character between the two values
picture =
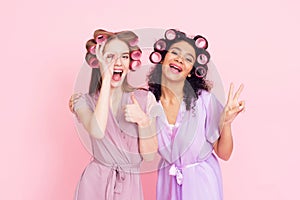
144	94
208	99
205	96
141	92
86	101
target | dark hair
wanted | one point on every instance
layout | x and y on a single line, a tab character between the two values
194	84
128	37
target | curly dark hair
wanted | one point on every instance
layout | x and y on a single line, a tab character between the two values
193	85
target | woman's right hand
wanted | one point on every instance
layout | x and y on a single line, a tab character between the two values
106	62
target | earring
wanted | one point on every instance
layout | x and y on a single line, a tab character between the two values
189	75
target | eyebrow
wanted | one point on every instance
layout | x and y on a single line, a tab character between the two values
180	51
126	52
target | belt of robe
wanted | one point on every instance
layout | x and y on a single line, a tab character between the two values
117	176
177	171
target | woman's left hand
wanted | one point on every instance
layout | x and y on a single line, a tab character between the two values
73	99
233	106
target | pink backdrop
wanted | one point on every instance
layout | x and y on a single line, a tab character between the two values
42	48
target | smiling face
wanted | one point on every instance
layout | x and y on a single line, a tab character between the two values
178	62
117	51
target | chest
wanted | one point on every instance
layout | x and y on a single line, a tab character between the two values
171	111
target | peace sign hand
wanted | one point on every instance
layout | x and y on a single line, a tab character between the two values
233	106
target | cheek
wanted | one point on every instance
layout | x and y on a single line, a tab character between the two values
189	69
168	56
126	65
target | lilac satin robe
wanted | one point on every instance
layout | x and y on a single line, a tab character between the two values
113	174
189	170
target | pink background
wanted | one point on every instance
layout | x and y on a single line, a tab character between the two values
42	47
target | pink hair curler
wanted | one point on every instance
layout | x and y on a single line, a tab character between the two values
100	38
200	42
136	55
170	34
134	65
200	71
202	59
160	45
91	46
155	57
92	50
92	61
134	42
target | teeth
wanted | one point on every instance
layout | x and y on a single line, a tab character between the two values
118	70
176	67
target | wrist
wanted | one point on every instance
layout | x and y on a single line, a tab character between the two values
224	125
144	122
106	79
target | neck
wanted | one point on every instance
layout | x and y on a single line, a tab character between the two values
172	91
116	93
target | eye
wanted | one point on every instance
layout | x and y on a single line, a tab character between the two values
189	59
126	56
110	56
174	52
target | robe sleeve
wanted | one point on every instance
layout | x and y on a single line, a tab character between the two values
83	102
214	110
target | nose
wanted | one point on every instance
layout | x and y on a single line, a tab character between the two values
118	61
179	58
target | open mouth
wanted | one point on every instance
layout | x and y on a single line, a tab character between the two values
175	68
117	74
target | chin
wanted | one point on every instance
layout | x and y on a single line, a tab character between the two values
116	84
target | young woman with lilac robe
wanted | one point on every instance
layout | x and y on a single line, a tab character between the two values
193	126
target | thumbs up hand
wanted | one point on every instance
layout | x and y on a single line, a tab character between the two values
134	113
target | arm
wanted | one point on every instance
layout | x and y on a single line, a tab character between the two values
146	126
98	120
224	145
148	144
93	121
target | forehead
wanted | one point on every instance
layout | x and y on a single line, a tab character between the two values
185	47
116	45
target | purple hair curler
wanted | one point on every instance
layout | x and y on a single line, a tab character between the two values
200	71
202	59
155	57
136	55
201	42
160	45
170	34
134	65
100	38
134	42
